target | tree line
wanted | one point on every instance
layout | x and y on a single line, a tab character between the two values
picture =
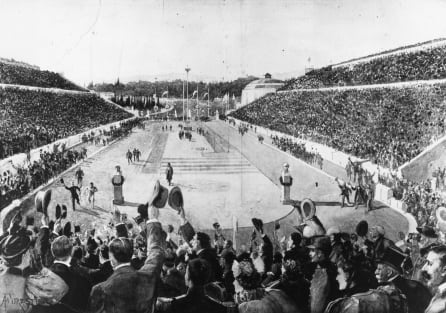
174	88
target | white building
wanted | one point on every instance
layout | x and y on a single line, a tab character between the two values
258	88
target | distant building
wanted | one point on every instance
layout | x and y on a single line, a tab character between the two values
258	88
106	94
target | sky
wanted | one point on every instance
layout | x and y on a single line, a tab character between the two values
100	40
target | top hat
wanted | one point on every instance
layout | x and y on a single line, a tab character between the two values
427	231
42	201
121	230
394	258
176	200
58	211
64	211
308	209
67	229
159	195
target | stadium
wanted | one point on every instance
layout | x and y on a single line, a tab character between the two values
321	192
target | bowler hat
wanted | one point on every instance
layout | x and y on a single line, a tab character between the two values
176	201
14	245
42	201
159	195
427	231
362	228
394	258
216	225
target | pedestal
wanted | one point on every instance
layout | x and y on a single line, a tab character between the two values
118	197
285	196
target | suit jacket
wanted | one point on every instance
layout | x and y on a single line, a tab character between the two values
91	261
210	255
267	253
129	290
195	301
173	284
78	289
417	295
324	287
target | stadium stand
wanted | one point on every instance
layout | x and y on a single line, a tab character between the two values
424	64
19	73
388	125
30	118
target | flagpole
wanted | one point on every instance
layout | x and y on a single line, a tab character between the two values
208	100
197	101
183	100
187	69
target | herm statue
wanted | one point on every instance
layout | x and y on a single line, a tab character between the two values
118	181
286	180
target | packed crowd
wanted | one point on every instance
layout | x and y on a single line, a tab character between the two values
18	74
390	126
16	183
30	119
298	150
144	266
419	65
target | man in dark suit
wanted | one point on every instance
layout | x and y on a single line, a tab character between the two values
389	271
129	290
201	247
195	300
78	285
380	243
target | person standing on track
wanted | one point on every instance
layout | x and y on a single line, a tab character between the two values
74	193
79	176
169	173
129	156
345	192
91	192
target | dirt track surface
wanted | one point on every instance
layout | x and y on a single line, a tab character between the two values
216	186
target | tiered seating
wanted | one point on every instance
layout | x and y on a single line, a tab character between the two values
20	74
30	119
391	125
418	65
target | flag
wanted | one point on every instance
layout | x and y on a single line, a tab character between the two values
206	94
195	92
176	116
165	93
